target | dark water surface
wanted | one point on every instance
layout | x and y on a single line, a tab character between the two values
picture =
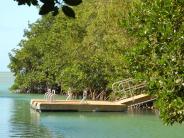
18	120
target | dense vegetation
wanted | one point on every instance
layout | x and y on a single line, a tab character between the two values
87	52
109	41
158	57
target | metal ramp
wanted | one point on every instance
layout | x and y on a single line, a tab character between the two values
133	92
135	105
136	100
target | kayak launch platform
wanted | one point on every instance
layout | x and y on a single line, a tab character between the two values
76	105
121	105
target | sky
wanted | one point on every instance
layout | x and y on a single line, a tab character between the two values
13	20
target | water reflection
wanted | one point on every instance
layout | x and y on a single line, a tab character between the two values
35	117
5	116
21	122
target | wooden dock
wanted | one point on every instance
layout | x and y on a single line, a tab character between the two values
75	105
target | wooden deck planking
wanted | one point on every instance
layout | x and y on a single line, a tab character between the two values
75	105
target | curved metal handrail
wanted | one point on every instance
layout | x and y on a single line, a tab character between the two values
127	86
50	95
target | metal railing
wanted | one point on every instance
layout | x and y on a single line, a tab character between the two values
128	87
50	95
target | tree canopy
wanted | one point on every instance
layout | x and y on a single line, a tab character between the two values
83	53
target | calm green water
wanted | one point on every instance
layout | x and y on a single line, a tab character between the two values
18	120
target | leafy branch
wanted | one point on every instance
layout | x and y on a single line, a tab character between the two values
52	6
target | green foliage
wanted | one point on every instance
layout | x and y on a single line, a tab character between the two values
158	57
87	52
172	108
